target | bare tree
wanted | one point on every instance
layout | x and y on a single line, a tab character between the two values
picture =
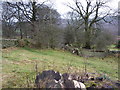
28	10
13	12
74	31
8	18
91	14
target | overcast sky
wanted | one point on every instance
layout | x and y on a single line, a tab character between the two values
61	5
62	8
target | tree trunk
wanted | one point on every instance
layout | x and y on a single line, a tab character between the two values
33	19
21	35
19	19
87	38
87	45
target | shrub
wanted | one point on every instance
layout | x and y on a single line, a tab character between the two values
118	44
23	42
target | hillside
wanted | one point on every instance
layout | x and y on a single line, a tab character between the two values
112	27
19	65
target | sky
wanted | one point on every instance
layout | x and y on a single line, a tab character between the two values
62	8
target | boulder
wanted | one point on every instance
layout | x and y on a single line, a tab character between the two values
50	74
51	79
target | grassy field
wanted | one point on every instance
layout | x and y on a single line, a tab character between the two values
19	64
113	48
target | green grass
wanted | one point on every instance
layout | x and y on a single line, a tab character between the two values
19	65
113	48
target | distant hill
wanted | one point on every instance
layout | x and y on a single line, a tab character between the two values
119	25
113	27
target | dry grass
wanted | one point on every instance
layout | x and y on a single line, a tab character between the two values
19	65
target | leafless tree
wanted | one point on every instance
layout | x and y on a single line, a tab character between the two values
28	10
74	31
8	18
91	13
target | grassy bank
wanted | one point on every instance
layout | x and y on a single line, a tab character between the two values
19	65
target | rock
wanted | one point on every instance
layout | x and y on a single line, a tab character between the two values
73	77
99	78
75	51
53	84
65	76
51	79
68	84
79	85
117	84
107	86
49	74
92	78
57	76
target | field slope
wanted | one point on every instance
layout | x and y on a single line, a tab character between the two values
19	65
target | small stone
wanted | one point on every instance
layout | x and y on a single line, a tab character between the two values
92	78
99	78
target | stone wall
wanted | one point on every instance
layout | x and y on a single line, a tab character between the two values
9	43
